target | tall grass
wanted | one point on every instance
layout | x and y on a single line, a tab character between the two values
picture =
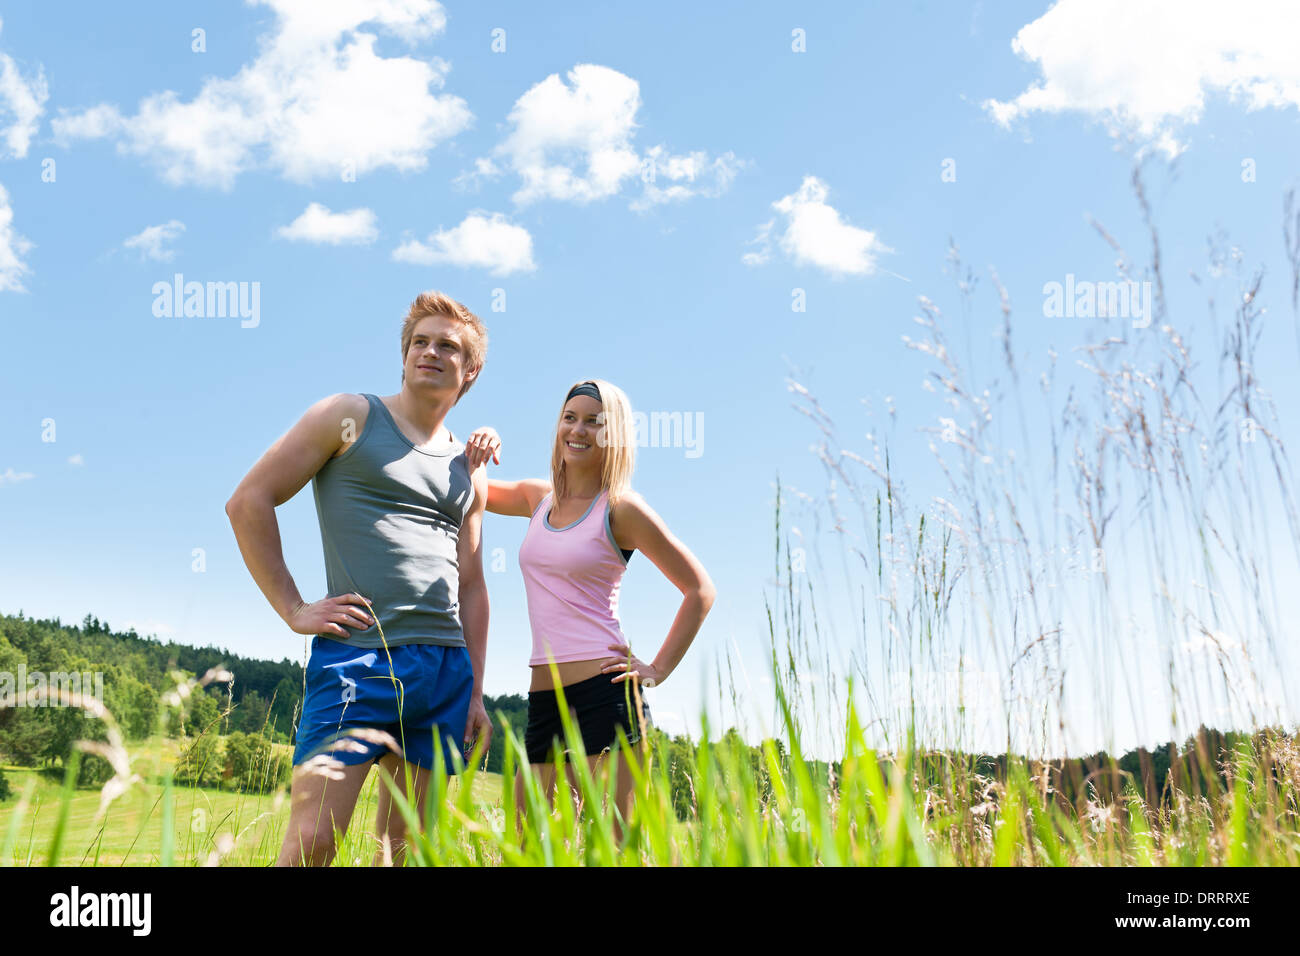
866	807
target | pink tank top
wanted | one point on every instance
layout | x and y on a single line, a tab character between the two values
572	576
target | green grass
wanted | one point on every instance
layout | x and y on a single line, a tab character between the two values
130	833
865	808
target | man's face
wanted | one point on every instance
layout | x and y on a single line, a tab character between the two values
436	358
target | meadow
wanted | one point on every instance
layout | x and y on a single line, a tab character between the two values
207	824
865	809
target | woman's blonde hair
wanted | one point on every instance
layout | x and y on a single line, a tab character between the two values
616	434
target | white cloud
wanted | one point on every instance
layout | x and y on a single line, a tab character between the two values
22	103
764	242
12	249
691	175
479	241
813	233
556	127
11	477
315	102
573	142
76	460
1146	68
318	224
95	123
484	168
150	242
155	628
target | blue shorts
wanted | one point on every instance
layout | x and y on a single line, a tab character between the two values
352	687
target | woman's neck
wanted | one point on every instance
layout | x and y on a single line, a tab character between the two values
581	484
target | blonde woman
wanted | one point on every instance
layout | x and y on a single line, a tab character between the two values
585	523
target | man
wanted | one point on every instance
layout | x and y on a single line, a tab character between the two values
401	504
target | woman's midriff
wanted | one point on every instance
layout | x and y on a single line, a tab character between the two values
570	673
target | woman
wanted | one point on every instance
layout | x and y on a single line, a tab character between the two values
584	525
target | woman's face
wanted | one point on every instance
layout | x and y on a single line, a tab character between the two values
580	433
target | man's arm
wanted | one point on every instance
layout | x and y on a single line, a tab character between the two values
279	475
473	597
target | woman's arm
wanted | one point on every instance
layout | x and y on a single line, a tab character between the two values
519	498
639	527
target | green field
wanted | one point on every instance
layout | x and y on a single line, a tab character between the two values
130	832
908	808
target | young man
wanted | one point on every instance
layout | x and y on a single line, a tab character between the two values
401	504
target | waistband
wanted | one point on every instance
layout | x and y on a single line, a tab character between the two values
582	686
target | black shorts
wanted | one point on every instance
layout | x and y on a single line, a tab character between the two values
601	707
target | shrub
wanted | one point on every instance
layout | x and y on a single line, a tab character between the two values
252	765
201	764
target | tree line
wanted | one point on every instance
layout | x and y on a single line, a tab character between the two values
237	734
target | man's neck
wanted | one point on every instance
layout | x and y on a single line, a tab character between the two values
424	412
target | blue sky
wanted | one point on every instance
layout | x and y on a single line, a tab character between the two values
648	191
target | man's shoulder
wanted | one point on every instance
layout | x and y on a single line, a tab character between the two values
350	401
342	414
340	403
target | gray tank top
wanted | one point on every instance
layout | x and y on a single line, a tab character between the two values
390	516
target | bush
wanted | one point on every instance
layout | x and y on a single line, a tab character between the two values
23	736
93	771
200	712
5	790
136	706
201	764
252	765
